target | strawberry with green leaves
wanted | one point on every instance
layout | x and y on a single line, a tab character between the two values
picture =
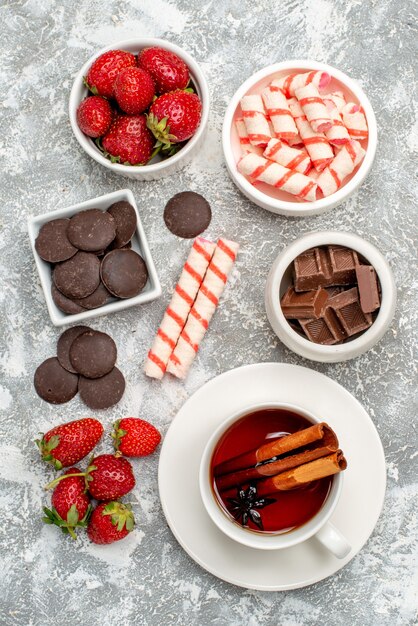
70	504
110	522
133	436
174	117
128	140
102	74
68	443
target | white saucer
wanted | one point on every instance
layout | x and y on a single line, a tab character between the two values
357	511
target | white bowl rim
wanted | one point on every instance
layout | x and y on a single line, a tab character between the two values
300	208
368	338
85	141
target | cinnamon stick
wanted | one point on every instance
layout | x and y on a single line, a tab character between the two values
298	476
318	432
274	467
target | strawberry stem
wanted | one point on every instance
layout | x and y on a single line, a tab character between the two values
55	482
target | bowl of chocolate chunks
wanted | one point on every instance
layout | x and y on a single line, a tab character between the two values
330	296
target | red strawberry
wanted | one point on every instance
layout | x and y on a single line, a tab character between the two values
101	75
128	140
134	90
110	521
68	443
166	68
175	116
135	437
70	504
94	116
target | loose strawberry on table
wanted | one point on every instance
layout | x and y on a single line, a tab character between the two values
68	443
175	116
70	504
134	90
94	116
102	74
168	71
135	437
128	140
109	522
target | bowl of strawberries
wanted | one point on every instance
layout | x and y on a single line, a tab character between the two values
140	108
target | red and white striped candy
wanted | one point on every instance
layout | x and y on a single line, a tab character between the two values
347	159
316	144
244	140
277	108
338	99
292	158
204	307
314	108
337	134
177	311
355	121
274	174
255	119
293	81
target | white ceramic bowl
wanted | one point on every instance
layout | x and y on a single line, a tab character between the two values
152	289
158	168
275	200
280	277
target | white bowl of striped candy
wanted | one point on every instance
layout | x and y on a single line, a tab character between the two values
331	182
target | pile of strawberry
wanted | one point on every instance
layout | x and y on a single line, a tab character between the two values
141	105
107	478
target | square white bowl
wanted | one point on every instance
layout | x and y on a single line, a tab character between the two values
152	289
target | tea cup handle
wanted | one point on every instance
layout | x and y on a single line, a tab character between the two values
333	540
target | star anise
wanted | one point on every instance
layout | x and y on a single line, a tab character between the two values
244	506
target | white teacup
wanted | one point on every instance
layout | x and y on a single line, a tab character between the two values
318	526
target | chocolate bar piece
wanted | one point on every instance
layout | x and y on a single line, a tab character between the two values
305	305
327	266
346	306
368	288
326	330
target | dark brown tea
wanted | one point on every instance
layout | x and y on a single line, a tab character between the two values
247	504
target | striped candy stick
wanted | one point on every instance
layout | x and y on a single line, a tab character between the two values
355	121
314	108
203	309
277	108
337	134
293	81
266	171
255	120
338	99
292	158
316	144
244	140
350	155
177	311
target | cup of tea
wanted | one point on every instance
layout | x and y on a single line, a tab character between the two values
248	504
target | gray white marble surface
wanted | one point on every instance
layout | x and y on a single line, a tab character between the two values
147	579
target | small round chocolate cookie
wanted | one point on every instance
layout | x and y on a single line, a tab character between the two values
187	214
53	383
79	276
125	219
91	230
64	345
98	298
93	354
63	303
52	243
124	273
104	392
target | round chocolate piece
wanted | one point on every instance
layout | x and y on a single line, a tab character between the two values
125	219
124	273
53	383
187	214
98	298
91	230
93	354
104	392
79	276
65	304
64	345
52	243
